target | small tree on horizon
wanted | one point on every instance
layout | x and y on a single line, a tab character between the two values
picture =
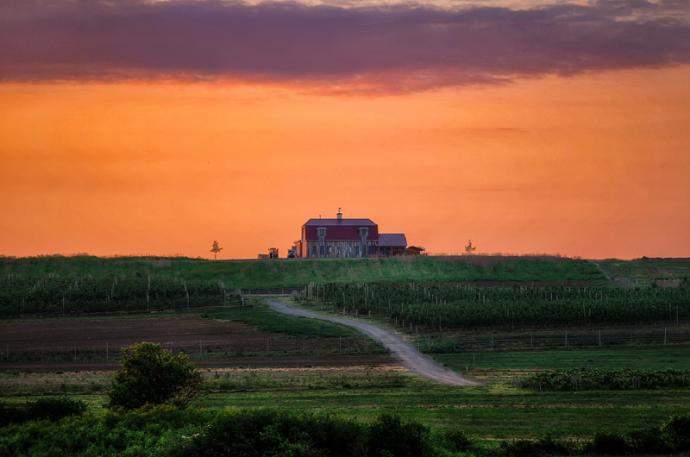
470	248
215	248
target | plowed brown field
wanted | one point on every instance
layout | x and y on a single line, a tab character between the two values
94	344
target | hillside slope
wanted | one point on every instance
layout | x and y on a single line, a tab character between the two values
262	274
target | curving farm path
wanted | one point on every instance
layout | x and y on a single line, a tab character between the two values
410	357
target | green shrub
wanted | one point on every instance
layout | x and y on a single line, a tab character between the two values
270	434
51	409
389	436
609	444
648	441
456	440
147	432
11	414
677	433
152	375
54	408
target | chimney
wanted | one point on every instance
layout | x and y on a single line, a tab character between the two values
340	215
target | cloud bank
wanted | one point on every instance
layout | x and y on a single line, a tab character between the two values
403	47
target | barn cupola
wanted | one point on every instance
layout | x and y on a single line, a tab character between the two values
340	215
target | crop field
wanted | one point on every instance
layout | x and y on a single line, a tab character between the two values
55	285
57	295
530	339
451	305
248	336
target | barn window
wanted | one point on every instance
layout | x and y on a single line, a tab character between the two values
363	232
322	233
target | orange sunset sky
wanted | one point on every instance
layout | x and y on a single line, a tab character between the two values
134	159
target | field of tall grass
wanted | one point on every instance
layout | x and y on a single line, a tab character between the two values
261	274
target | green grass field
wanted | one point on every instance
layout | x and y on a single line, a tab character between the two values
645	271
496	410
634	357
264	274
486	413
262	318
290	273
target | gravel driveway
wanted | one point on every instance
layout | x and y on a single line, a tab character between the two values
410	357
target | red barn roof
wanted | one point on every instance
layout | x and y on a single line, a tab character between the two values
329	222
340	229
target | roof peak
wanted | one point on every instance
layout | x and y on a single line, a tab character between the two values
343	221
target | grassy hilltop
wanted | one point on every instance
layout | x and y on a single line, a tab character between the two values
261	274
87	284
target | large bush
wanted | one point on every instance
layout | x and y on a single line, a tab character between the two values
152	375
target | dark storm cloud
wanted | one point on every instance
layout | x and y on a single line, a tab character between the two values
410	46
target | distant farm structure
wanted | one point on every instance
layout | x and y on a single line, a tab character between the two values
273	253
348	238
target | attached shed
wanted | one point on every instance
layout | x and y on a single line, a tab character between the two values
391	244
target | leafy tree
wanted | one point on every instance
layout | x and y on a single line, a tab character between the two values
470	248
215	248
153	375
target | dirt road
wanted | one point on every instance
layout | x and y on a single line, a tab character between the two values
401	349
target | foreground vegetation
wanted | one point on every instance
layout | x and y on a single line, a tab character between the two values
169	431
260	408
498	410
